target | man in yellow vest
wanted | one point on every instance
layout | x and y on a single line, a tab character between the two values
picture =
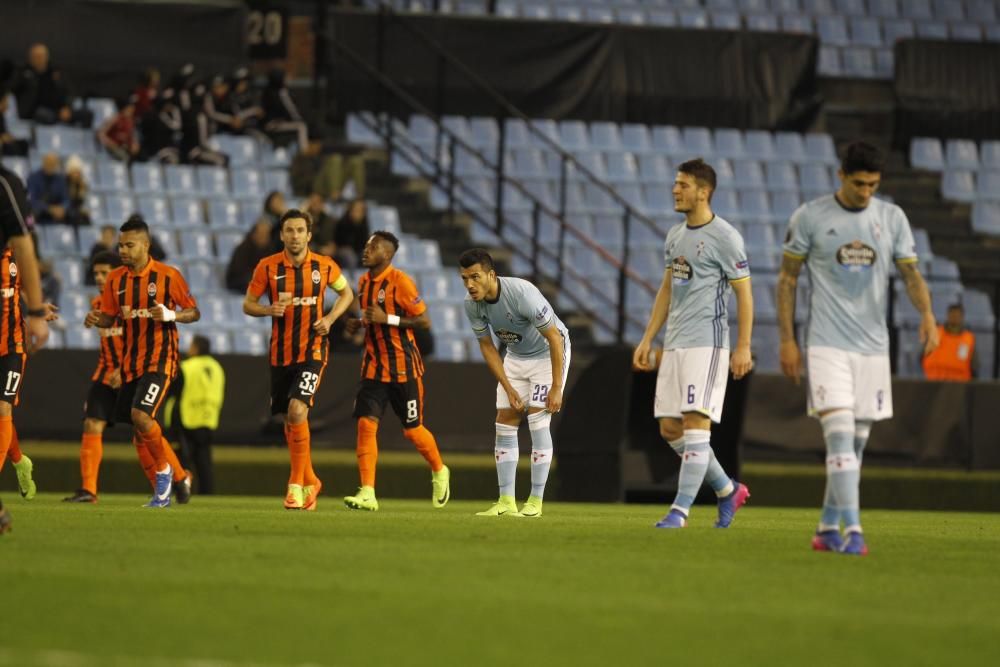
202	391
954	360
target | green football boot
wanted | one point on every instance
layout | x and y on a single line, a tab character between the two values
440	487
25	483
505	506
532	507
364	499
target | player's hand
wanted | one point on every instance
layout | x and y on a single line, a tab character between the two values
515	400
92	319
277	309
115	379
791	360
741	362
554	401
322	326
374	315
160	313
641	357
929	336
354	325
37	330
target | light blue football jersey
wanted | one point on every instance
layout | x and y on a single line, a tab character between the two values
850	255
516	317
704	260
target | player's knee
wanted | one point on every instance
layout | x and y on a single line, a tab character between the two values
141	420
412	433
696	420
508	417
93	425
6	409
540	420
298	412
671	429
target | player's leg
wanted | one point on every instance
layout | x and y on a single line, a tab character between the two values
369	405
23	467
150	389
305	383
539	421
505	447
201	445
11	372
408	404
91	453
281	387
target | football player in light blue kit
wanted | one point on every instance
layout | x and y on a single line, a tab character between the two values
531	376
705	258
850	241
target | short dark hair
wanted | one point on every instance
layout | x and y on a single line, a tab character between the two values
203	344
105	257
294	213
388	236
474	256
862	156
701	171
135	223
957	306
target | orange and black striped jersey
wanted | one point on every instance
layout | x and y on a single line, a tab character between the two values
391	353
111	348
302	288
148	346
11	315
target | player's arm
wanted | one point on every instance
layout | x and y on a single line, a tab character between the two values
414	315
657	318
181	295
741	361
255	290
788	282
345	296
106	314
555	339
495	364
39	312
182	316
920	297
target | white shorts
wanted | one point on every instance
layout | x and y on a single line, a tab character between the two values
531	379
849	380
692	380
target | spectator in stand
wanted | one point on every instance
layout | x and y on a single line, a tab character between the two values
955	359
320	168
323	227
281	118
351	234
243	101
106	242
118	134
195	124
146	92
161	129
8	144
51	283
48	192
42	95
274	208
219	108
255	246
76	186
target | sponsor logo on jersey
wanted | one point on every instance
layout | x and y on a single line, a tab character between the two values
743	264
509	337
683	273
542	313
128	313
856	256
111	332
304	300
7	292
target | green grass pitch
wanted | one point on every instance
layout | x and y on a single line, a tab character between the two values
239	581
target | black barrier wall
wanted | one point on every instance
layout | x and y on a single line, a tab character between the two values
591	72
102	45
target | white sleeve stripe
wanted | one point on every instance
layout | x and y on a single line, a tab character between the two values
542	326
13	204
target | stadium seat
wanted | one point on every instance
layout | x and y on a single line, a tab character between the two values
226	242
815	179
724	202
781	177
213	181
61	140
241	151
961	154
485	132
451	348
79	338
277	179
516	133
658	198
986	218
936	30
668	140
916	9
112	177
965	32
989	155
360	129
654	170
214	309
605	136
277	156
958	185
988	185
187	211
250	342
181	179
591	162
926	153
630	16
832	30
761	22
18	165
698	141
748	174
636	138
797	23
755	207
200	273
760	145
820	148
147	177
897	29
665	18
86	237
621	168
858	62
155	210
118	207
783	204
224	213
729	143
790	146
70	270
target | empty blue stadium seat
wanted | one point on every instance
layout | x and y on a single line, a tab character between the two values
818	7
783	204
988	185
926	153
894	30
922	242
422	130
360	129
829	61
852	7
199	273
111	177
241	150
118	207
569	13
697	141
247	181
726	203
858	62
214	309
748	174
725	21
655	169
599	15
832	30
277	156
986	217
485	132
932	30
962	154
796	23
883	8
636	138
147	177
958	185
755	206
213	181
187	211
981	11
630	16
790	146
916	9
668	139
729	143
658	198
781	177
450	347
196	243
277	179
815	179
224	213
154	209
665	18
98	214
965	32
622	168
181	179
989	155
948	10
62	140
820	148
18	165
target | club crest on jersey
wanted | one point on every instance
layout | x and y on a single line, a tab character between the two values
13	270
381	296
856	256
151	290
315	276
509	337
699	248
683	273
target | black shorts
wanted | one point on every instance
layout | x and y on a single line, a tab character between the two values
101	403
145	393
299	381
11	376
406	398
